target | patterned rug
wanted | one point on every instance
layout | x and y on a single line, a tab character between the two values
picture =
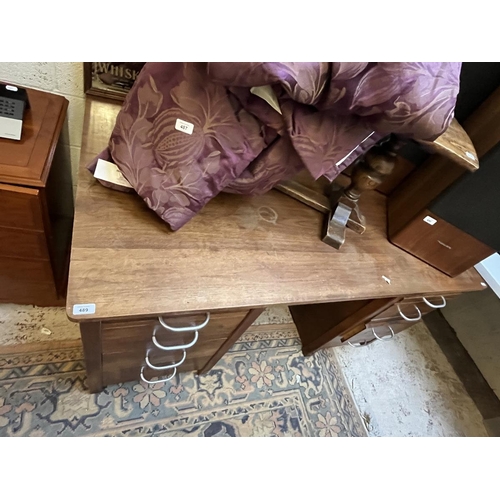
262	387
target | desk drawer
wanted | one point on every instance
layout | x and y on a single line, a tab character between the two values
118	369
120	336
126	366
18	271
353	321
410	309
369	334
129	347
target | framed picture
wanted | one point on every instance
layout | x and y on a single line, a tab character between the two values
110	79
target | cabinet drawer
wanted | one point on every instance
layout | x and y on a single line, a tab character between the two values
20	208
19	292
23	244
19	271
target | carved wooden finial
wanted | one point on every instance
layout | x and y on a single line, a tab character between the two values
368	173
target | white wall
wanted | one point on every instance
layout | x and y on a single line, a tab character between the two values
489	269
65	79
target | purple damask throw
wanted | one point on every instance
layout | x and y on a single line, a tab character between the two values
188	131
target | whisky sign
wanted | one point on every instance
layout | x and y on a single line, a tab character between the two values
110	79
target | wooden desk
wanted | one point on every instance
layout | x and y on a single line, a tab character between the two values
237	256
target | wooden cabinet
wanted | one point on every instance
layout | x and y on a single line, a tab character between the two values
34	241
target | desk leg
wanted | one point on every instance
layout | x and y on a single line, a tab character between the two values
91	339
238	332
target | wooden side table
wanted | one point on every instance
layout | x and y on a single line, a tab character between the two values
152	303
34	241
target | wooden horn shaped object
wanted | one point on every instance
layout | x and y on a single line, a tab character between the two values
368	173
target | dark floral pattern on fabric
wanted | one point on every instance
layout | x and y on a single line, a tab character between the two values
331	113
262	387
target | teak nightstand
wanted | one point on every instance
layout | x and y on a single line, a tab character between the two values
34	240
152	303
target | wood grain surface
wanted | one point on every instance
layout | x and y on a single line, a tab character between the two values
461	250
483	126
23	244
20	208
91	340
238	252
455	145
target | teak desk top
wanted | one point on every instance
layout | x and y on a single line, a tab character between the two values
238	252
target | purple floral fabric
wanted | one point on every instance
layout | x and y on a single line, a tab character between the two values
331	113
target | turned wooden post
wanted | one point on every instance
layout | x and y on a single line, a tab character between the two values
368	173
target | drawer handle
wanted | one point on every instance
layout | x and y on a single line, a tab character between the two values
174	347
387	337
184	328
151	382
361	344
166	367
355	345
417	318
435	306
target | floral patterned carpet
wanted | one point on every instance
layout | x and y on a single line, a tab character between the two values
262	387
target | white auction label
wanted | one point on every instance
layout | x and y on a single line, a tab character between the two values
79	309
183	126
430	220
109	172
